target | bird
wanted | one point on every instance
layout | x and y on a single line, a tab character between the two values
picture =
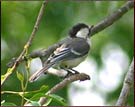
71	51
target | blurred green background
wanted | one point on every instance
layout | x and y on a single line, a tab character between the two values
18	19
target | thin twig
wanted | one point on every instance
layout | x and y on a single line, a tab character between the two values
113	17
65	82
128	83
28	44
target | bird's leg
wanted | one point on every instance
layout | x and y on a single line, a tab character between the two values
75	72
70	72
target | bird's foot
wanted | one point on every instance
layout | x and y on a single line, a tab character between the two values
71	72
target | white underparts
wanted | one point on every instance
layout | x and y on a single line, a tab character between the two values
59	73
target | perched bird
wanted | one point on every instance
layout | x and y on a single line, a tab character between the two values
70	52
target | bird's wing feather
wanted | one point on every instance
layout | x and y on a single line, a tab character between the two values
73	49
37	74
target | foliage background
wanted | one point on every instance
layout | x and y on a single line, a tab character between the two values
18	18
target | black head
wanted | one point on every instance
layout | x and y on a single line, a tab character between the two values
80	30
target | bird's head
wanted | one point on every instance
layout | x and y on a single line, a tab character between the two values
80	30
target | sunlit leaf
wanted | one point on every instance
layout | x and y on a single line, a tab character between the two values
34	103
37	96
20	76
2	77
58	99
42	90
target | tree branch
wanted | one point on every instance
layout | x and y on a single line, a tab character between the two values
108	21
65	82
128	83
113	17
27	45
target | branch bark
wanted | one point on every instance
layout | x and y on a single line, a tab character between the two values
65	82
27	45
113	17
128	83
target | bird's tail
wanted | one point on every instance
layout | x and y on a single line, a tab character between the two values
37	74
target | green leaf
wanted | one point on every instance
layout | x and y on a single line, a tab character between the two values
8	104
37	96
34	103
20	76
58	99
42	90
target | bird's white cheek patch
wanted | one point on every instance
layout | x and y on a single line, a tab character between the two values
83	33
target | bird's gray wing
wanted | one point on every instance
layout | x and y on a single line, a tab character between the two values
73	49
67	51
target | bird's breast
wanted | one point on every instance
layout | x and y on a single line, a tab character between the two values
72	63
